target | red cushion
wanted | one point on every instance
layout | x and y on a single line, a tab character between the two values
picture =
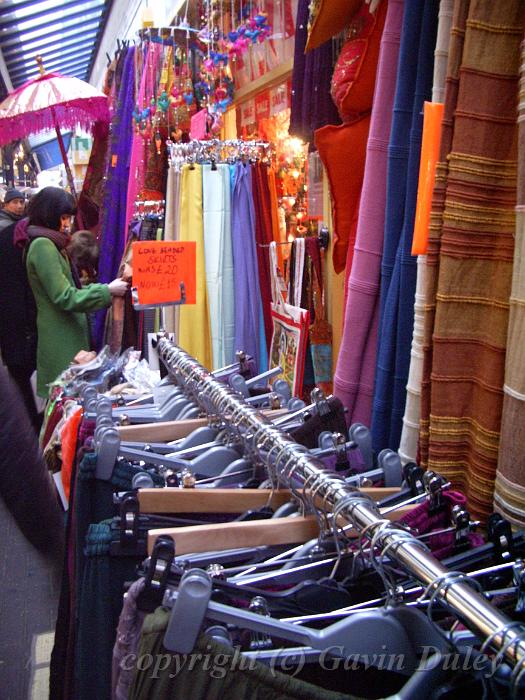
355	71
343	152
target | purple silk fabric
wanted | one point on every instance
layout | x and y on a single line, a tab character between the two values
246	274
113	233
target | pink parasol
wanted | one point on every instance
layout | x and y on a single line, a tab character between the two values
51	101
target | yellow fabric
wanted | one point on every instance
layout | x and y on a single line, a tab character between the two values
194	321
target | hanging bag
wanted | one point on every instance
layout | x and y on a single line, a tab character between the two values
321	340
290	325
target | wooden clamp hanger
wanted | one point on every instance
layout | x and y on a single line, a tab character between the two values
170	430
177	500
255	533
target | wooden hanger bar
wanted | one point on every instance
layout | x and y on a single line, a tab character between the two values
171	430
255	533
175	500
160	432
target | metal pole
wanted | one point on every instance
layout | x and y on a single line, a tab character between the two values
292	463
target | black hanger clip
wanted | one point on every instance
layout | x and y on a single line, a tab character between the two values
461	521
518	577
157	574
318	397
341	457
499	532
129	519
323	237
434	488
413	475
244	365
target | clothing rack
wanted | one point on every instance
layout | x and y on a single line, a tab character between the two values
217	151
327	492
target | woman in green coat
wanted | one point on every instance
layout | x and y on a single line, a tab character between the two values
61	301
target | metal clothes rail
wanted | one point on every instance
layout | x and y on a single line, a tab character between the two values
294	467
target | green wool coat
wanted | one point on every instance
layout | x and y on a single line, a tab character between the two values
62	323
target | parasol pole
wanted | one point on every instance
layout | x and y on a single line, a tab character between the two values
60	140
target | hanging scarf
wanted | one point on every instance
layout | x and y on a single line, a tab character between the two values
25	233
114	230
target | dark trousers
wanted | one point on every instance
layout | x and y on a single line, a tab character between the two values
22	377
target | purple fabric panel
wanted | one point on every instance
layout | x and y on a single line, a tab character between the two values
420	520
355	460
127	642
113	232
299	61
354	375
312	105
246	276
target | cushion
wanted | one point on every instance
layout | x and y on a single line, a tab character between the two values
342	150
355	71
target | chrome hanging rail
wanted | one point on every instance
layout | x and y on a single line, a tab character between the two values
295	468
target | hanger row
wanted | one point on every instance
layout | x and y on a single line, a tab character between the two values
217	151
327	493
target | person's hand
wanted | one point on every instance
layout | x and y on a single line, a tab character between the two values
83	357
118	288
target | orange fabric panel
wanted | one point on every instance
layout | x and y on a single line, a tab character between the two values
69	438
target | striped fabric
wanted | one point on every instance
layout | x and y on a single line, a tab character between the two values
509	495
471	251
410	432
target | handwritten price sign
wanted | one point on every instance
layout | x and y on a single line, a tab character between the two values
159	268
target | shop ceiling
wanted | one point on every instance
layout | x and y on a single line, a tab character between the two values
66	33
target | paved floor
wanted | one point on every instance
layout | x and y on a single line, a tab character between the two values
29	589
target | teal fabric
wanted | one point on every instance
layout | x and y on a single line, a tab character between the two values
100	602
218	255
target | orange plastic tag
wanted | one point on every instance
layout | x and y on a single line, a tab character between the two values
159	268
432	123
114	159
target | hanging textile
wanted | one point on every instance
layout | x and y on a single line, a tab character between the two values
248	307
142	144
92	196
171	233
338	146
194	323
219	262
471	251
354	375
352	91
410	432
509	494
114	229
312	106
398	266
263	237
